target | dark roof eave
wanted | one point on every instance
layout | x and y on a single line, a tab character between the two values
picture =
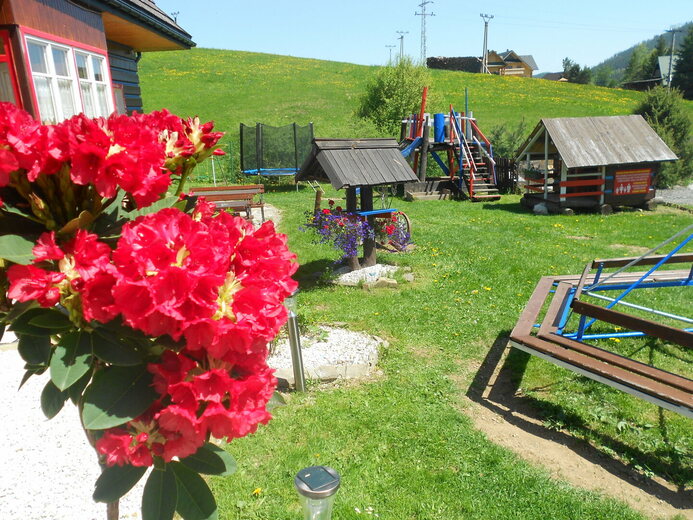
160	25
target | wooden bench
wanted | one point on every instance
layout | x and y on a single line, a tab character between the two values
239	198
541	337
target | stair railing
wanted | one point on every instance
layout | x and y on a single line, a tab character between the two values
489	153
464	147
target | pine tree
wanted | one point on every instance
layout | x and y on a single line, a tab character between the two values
683	70
636	64
652	62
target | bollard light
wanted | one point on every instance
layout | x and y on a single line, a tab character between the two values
295	343
317	486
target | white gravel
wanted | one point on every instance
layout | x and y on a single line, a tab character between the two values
365	274
330	346
49	469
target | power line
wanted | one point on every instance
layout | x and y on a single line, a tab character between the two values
423	14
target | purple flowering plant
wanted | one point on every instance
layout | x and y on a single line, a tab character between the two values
345	231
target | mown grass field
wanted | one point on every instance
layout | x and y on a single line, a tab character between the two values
401	440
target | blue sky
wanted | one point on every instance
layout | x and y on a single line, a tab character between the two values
359	31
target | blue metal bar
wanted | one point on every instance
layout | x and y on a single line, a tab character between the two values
690	275
440	162
566	312
634	285
375	212
647	285
612	335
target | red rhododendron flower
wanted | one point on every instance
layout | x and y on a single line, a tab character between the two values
47	249
28	282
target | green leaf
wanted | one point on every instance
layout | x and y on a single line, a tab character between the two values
160	495
116	396
115	350
16	249
166	202
51	319
18	309
31	370
21	324
71	359
52	400
116	481
35	350
195	500
211	460
75	391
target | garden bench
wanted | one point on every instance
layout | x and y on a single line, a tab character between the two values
541	337
238	198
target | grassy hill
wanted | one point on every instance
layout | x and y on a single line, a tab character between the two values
231	87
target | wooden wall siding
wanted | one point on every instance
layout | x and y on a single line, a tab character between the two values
60	18
123	61
6	12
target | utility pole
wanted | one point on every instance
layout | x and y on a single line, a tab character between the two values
390	47
423	14
401	43
484	57
671	54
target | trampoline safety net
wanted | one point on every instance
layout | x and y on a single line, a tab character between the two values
274	150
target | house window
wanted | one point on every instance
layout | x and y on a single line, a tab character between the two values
68	81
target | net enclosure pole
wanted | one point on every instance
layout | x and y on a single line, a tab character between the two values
241	143
295	149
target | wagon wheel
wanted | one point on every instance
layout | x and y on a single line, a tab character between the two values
400	237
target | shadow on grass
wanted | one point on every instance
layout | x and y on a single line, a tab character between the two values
314	274
495	386
516	207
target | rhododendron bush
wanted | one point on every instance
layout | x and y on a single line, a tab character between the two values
152	313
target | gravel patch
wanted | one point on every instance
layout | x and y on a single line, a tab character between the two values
337	347
366	274
678	195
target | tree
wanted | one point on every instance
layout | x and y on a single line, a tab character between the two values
651	64
683	71
604	76
574	73
637	64
663	109
392	94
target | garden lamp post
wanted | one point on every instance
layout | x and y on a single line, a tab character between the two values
317	486
295	343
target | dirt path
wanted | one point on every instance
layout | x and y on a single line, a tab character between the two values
510	422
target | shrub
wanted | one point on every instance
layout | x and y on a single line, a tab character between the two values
663	110
392	94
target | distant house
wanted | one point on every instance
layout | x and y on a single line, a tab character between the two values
555	76
661	75
507	63
63	57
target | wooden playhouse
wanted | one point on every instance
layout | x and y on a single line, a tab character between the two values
591	163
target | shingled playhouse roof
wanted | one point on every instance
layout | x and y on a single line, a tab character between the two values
601	141
356	162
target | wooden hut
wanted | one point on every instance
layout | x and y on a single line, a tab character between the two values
357	164
63	57
592	162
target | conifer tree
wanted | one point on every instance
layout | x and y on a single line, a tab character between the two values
683	70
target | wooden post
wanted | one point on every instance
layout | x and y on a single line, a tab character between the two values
352	261
318	200
369	255
403	131
546	164
423	158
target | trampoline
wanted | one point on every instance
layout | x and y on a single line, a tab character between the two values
274	150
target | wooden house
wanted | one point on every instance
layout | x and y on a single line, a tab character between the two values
63	57
506	63
591	162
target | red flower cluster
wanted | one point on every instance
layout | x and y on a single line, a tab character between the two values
135	153
214	284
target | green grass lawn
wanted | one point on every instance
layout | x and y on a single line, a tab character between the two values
401	440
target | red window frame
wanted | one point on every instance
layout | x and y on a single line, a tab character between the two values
9	59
